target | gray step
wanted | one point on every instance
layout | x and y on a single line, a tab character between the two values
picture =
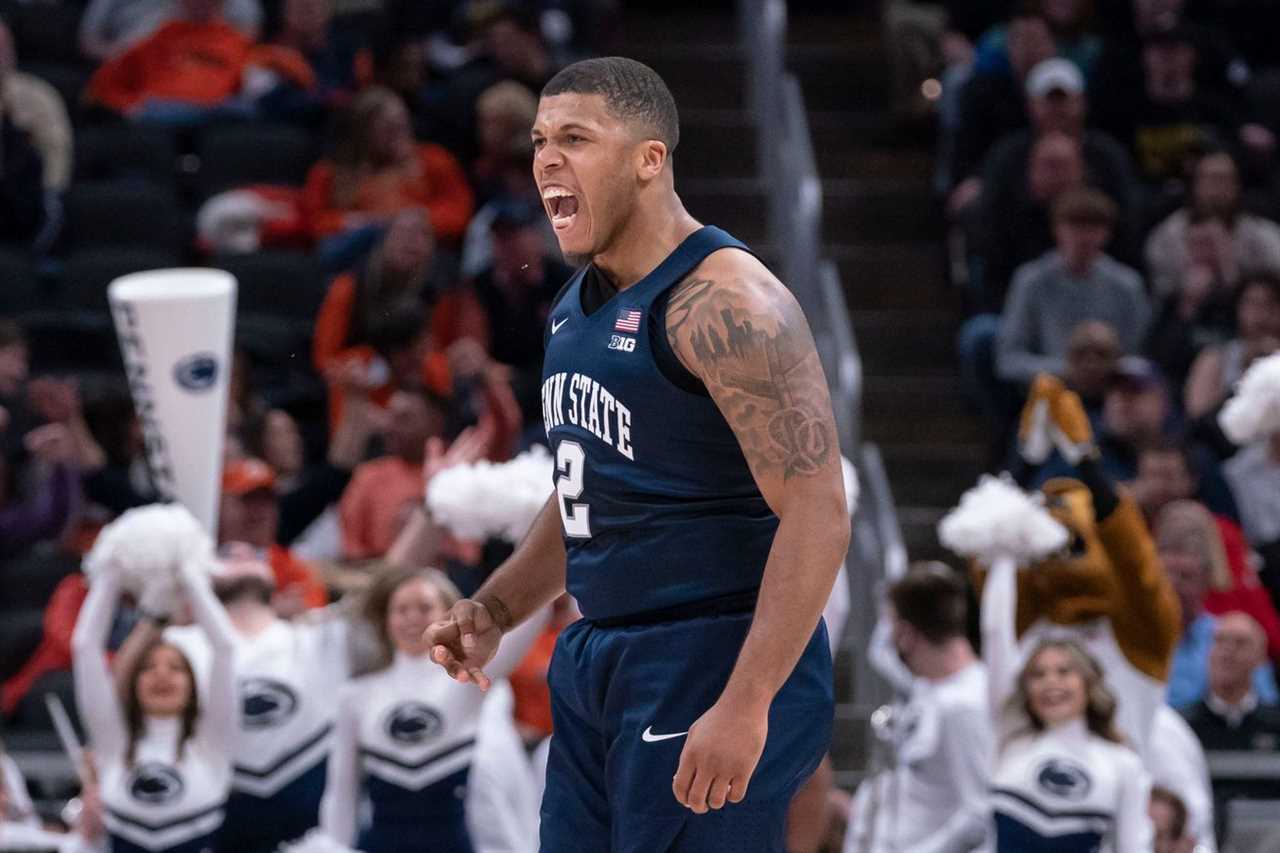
932	475
907	410
891	275
879	209
920	534
918	340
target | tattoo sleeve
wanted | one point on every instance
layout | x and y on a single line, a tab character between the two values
750	345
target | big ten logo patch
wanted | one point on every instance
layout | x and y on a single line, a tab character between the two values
622	343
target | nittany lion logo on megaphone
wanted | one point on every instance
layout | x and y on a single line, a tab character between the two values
197	372
413	722
155	783
265	702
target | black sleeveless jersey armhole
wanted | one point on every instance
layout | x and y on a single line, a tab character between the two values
669	364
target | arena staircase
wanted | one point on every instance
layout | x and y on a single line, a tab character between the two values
878	227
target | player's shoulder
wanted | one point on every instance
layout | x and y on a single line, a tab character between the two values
732	273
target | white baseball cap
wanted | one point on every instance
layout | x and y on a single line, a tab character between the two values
1054	75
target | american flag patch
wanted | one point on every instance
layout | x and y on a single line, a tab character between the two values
628	321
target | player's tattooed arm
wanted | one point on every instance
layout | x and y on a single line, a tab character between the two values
745	337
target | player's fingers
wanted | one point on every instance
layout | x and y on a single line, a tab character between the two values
444	657
464	613
738	788
702	779
718	793
684	776
440	633
482	681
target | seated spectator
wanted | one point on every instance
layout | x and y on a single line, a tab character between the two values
250	514
1072	284
109	27
341	66
379	170
1186	530
1174	470
992	103
516	294
504	114
1012	236
22	208
1254	476
513	184
383	492
1200	310
1252	243
1189	674
1231	715
1176	117
190	69
1217	369
36	108
1069	22
1093	354
1056	103
404	277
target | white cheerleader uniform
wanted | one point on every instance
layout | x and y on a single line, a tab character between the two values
170	797
1063	789
287	681
404	740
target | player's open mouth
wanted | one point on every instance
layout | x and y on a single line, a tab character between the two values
562	206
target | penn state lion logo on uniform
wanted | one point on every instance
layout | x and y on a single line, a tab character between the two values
265	703
1064	779
155	783
412	722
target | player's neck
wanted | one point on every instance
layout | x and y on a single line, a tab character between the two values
654	231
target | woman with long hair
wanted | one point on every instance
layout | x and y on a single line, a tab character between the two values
378	169
1217	368
163	757
405	736
1064	781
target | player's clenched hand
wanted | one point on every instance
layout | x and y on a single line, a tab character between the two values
719	757
465	641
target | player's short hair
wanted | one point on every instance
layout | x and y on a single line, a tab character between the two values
631	90
11	333
933	599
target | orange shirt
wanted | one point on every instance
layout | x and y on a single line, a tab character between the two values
437	185
529	682
290	571
376	505
181	61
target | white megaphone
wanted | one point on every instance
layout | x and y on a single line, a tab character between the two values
175	329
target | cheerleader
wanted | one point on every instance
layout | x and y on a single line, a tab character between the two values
287	675
163	756
1064	781
405	735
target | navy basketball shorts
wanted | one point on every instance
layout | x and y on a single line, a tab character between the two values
615	693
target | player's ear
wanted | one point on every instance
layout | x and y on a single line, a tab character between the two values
651	159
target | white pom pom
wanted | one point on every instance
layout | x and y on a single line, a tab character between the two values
145	546
487	500
1254	412
850	485
315	841
997	519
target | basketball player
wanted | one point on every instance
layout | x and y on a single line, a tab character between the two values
699	515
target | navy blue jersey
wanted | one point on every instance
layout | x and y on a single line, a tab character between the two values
658	505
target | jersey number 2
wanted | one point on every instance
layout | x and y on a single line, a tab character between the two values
571	462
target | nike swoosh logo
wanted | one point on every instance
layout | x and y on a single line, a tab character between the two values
555	327
649	737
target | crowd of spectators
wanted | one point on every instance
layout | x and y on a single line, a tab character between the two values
364	168
1108	175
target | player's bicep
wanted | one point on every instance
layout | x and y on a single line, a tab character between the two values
749	343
